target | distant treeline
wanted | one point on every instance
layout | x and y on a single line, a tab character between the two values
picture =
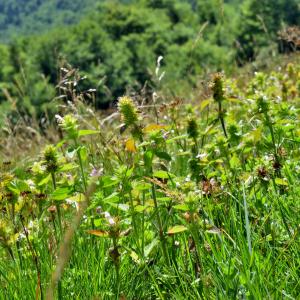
116	45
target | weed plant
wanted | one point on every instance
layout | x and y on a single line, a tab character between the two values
173	201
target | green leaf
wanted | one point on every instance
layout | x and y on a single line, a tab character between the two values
121	206
280	181
114	197
149	248
109	181
87	132
100	233
142	186
67	167
61	193
234	161
162	174
45	180
176	229
178	137
60	144
140	208
205	103
163	155
83	153
183	207
148	157
163	199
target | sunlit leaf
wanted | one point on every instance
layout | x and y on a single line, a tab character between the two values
153	127
183	207
150	247
176	229
280	181
205	103
61	193
45	180
77	198
87	132
100	233
67	167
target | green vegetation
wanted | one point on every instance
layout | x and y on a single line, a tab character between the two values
116	46
25	17
174	200
187	188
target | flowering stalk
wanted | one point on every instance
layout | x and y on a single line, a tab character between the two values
218	95
51	163
70	125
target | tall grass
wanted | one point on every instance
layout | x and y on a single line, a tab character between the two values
171	201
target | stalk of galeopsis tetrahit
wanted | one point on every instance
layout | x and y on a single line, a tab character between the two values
218	95
50	157
130	117
263	108
69	125
193	133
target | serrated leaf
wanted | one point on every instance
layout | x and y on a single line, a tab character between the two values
176	229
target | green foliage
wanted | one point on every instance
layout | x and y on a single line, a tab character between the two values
116	46
180	212
25	17
260	22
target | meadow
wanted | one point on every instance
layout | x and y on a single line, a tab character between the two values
174	198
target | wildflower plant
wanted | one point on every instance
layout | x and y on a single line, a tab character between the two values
172	207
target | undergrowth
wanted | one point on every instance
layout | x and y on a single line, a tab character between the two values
173	201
